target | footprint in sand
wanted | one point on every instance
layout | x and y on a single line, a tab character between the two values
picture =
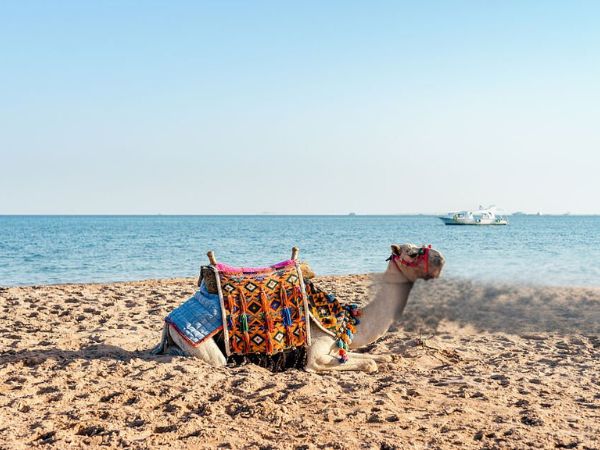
107	398
16	380
165	429
47	438
132	400
55	398
47	390
137	422
92	430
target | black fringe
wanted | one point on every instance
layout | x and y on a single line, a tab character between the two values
279	362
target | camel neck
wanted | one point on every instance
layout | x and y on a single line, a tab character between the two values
384	310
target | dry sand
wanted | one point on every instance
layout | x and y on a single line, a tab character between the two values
477	366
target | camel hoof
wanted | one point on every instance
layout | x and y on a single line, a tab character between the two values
371	366
385	358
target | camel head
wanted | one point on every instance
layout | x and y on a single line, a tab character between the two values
416	262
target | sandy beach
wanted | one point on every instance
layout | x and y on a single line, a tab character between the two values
476	366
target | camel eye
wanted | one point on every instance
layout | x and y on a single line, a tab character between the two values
413	254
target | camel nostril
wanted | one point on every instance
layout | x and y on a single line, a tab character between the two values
437	261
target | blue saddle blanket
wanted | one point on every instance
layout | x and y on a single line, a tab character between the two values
199	317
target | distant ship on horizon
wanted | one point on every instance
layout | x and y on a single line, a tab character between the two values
483	216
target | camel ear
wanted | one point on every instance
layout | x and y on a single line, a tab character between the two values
395	249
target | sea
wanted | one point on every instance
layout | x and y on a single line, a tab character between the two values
546	250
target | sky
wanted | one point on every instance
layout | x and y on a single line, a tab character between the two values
236	107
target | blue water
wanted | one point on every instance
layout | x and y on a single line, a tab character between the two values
556	250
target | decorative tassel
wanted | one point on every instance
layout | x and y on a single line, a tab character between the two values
296	303
343	356
232	323
286	315
244	320
268	321
285	301
290	336
267	311
300	322
301	333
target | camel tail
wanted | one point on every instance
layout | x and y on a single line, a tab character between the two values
166	346
161	347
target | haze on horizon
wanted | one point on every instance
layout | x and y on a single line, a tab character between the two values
309	108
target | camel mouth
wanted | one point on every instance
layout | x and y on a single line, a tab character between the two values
432	276
437	264
436	271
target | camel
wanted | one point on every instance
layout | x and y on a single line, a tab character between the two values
406	264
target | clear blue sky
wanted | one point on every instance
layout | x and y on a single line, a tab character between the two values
298	107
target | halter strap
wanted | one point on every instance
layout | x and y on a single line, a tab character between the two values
423	255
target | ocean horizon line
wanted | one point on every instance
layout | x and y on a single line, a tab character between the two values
288	215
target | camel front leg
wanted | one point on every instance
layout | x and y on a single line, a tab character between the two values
356	361
321	355
323	363
377	358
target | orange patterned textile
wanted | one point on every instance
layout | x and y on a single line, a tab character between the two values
325	308
265	310
340	321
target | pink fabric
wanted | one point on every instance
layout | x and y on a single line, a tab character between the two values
232	269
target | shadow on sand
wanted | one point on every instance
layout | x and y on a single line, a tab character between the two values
90	352
504	308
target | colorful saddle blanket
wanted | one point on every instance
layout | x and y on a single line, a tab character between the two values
266	310
263	310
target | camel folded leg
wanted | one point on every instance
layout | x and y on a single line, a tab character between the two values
378	358
327	362
208	350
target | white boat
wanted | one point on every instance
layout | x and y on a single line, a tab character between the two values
483	216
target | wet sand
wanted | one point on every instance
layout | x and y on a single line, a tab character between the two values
475	366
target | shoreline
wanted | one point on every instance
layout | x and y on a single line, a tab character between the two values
458	279
476	365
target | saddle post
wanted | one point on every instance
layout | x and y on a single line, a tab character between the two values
211	258
295	251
